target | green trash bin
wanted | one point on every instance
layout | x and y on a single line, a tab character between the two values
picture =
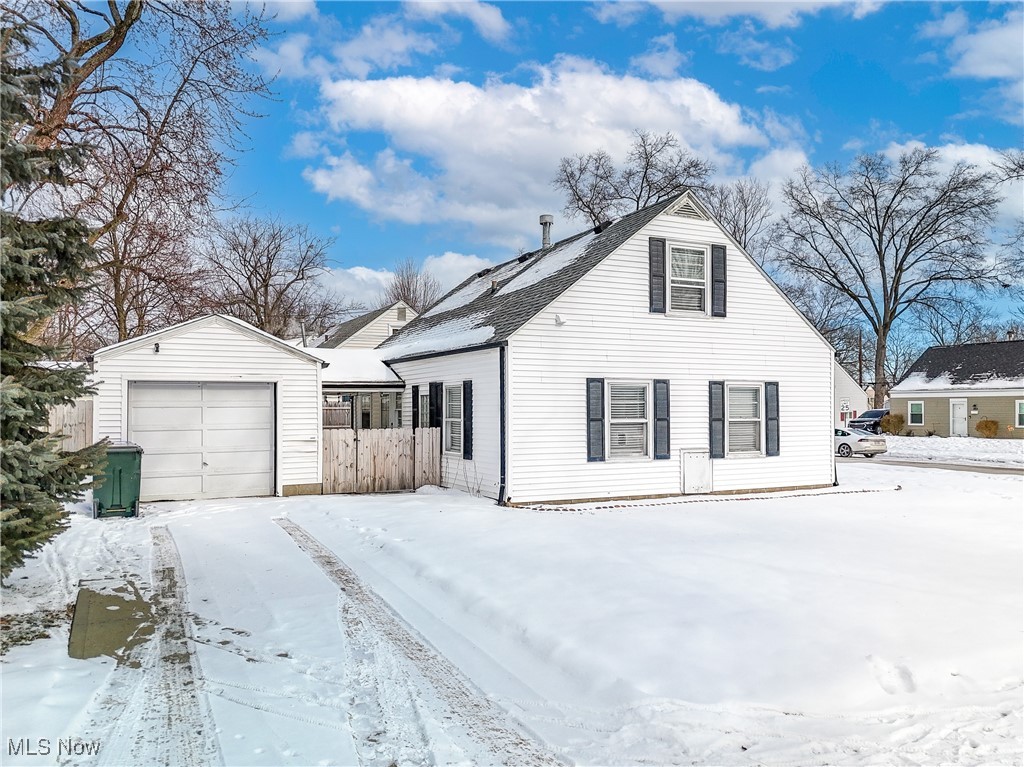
119	489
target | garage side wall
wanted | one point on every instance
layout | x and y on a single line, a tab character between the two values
220	352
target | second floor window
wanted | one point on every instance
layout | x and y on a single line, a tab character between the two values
688	286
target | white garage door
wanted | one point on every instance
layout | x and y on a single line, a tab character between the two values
203	440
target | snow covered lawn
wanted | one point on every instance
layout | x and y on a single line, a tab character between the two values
863	625
997	452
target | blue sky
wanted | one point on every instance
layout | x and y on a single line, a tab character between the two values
432	130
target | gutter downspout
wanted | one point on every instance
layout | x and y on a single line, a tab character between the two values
501	423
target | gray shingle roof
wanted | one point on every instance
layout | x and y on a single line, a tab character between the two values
969	363
341	333
525	285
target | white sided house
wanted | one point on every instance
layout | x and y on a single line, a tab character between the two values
851	400
646	357
220	408
368	331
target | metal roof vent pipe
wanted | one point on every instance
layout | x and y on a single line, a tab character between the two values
545	227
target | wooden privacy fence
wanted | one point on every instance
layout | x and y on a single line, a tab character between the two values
74	421
381	460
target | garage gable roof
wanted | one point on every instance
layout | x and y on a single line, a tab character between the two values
211	319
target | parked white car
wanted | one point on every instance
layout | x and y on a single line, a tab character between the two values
859	442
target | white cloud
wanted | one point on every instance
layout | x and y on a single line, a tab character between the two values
950	25
287	10
365	286
772	14
780	89
487	18
292	59
489	151
756	53
994	50
621	13
981	155
991	51
662	58
452	268
359	283
305	145
383	43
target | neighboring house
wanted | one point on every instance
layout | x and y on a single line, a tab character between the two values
850	400
356	382
367	331
950	388
220	408
646	357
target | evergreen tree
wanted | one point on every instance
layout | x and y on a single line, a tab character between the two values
43	264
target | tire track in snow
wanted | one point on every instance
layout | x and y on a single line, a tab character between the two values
377	636
166	719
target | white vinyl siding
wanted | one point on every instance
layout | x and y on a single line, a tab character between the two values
607	331
482	474
915	413
453	419
373	335
628	420
743	418
216	350
688	278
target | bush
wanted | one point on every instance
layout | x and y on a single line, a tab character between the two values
987	428
892	423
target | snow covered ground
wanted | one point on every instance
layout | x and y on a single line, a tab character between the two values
875	623
971	450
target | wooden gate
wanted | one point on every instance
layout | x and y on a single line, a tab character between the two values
381	460
74	421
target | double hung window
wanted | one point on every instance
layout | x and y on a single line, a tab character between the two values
453	419
744	419
915	414
628	419
688	285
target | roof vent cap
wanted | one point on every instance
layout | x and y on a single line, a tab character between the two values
546	220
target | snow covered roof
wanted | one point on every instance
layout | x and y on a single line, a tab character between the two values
354	366
492	304
994	365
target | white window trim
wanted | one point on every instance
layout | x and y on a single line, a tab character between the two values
649	390
762	421
448	449
668	277
1018	415
910	412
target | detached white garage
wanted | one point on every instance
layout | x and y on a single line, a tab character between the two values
221	409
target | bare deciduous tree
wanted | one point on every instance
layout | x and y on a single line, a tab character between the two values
745	209
890	235
655	167
956	320
159	90
419	289
269	274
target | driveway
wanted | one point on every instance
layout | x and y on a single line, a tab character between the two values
973	468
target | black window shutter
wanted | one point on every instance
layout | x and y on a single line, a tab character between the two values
656	250
435	403
415	407
595	419
661	419
467	420
716	418
718	280
771	417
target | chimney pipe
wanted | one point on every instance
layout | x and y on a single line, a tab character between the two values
545	226
1011	334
